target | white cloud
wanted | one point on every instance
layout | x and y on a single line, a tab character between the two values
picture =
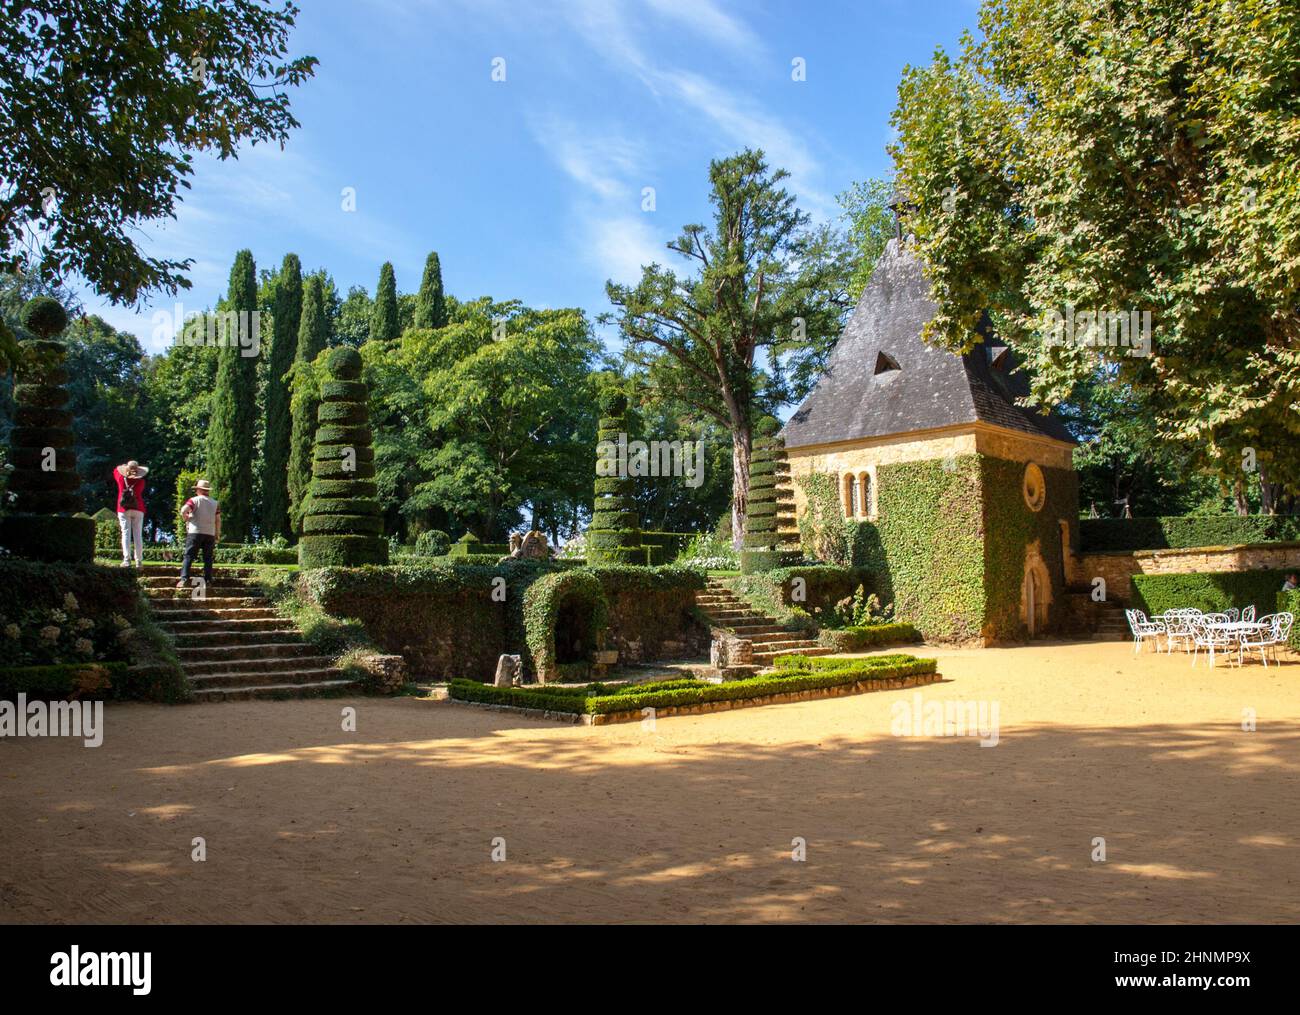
619	245
708	19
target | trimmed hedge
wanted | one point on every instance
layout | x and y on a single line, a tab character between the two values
771	537
225	553
614	534
542	603
598	699
1179	532
1289	602
1211	592
48	522
773	592
857	639
342	531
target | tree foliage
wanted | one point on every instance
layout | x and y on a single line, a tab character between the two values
104	106
430	302
1124	157
384	325
232	437
286	317
313	335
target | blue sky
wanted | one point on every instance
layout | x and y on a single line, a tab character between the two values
531	187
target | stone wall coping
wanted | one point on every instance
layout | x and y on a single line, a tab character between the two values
1192	551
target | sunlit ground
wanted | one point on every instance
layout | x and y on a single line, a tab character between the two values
693	821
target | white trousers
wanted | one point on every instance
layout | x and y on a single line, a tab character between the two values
132	524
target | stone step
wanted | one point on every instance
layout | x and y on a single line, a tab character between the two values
255	678
321	687
221	638
256	665
169	604
243	648
767	637
174	567
151	585
186	627
215	614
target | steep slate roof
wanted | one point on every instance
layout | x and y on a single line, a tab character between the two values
931	387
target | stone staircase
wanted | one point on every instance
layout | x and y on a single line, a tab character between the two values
1099	621
725	609
232	643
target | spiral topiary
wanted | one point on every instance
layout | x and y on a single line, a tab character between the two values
47	520
342	524
615	533
771	539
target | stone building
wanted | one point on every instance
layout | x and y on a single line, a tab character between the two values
967	501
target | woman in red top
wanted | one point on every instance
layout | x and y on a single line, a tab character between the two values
130	510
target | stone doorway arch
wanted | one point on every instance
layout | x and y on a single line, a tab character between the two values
1035	592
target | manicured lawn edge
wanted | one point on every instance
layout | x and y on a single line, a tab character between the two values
802	681
855	639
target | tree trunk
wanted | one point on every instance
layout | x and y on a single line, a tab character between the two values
1268	493
740	450
1239	496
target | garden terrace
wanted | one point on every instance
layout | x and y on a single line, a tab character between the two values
795	678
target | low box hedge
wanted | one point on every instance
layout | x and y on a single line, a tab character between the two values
857	639
1289	602
1180	532
598	699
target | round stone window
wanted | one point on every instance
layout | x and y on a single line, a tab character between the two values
1035	487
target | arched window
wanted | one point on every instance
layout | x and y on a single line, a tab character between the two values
851	496
864	494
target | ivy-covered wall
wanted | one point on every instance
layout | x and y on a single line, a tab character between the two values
1009	527
926	546
455	620
949	543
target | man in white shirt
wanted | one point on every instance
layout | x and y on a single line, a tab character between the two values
202	516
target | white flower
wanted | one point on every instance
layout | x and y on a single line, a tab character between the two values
13	631
85	624
58	616
124	633
121	621
50	633
83	646
70	603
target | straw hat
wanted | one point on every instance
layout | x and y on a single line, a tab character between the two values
133	470
203	486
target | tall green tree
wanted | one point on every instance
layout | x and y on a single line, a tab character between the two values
1084	158
313	336
232	439
104	105
286	317
430	302
762	283
384	326
870	220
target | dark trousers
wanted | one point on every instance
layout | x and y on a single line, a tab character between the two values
194	542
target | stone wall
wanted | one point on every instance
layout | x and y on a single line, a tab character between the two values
1118	568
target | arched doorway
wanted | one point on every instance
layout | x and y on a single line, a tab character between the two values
1035	593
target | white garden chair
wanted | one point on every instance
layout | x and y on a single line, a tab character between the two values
1213	639
1248	614
1232	613
1178	627
1143	629
1261	640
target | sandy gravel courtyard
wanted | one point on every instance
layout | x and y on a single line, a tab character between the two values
693	821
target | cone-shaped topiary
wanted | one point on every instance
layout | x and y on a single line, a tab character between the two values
771	540
615	533
47	520
342	525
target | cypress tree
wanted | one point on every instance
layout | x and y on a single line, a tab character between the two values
771	540
615	533
383	318
430	302
342	525
313	332
232	434
47	521
275	451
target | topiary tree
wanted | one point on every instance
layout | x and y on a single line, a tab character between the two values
342	525
615	533
47	520
771	539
